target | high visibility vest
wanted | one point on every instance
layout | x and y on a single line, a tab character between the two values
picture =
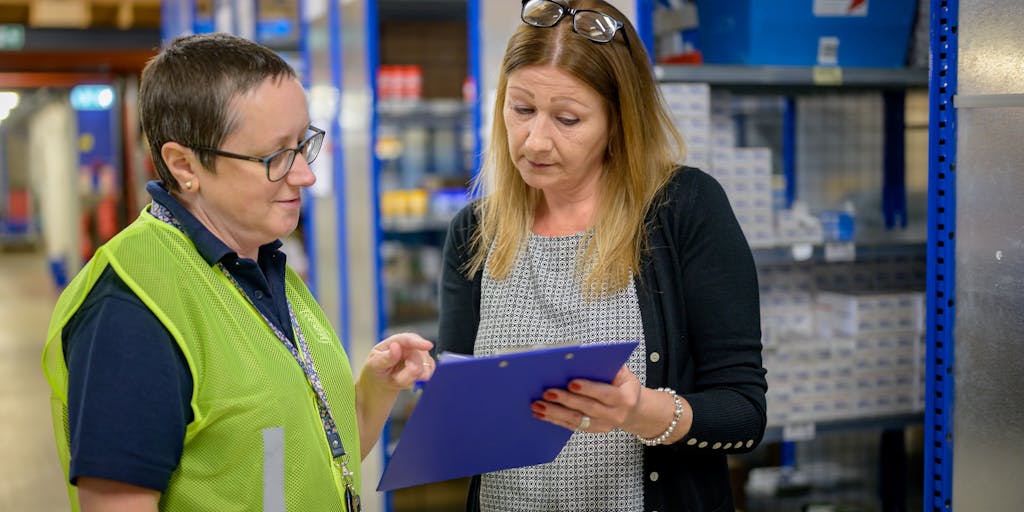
257	442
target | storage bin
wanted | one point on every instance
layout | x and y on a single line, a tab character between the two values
849	33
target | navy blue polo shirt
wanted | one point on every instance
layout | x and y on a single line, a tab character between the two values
129	387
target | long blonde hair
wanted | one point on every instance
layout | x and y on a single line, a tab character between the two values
643	150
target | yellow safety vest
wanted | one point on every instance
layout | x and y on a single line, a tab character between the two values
257	442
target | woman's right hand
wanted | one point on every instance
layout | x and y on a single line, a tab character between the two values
399	361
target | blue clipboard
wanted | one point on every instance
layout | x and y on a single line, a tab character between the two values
474	415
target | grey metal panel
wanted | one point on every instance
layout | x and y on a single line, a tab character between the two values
988	426
989	421
991	41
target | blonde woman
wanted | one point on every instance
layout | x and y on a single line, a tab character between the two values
588	231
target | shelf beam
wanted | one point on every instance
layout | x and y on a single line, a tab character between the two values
789	76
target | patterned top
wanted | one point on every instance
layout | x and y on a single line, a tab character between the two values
541	303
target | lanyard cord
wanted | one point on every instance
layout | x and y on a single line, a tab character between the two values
300	353
305	360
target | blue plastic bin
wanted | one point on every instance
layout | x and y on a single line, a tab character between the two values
869	33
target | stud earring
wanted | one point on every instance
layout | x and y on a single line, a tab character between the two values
188	185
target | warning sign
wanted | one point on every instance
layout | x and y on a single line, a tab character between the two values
841	8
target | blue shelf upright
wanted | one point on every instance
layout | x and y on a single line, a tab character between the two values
938	449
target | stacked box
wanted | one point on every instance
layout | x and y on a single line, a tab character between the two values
823	379
723	132
854	355
690	107
889	369
746	176
799	378
787	300
744	172
856	313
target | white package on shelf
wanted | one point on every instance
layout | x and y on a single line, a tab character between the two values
854	313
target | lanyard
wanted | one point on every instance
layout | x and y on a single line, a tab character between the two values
305	360
302	356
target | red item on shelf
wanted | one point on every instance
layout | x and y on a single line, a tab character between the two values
694	57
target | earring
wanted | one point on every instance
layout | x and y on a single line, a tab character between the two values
188	184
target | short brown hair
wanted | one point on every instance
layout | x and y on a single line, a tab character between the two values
187	92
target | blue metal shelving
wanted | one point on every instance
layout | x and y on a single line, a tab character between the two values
940	246
941	308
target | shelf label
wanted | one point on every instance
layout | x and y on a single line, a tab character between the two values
840	251
802	251
798	432
828	51
827	75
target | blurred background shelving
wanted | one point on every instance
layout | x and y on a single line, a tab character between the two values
826	155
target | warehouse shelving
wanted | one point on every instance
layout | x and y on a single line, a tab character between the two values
888	237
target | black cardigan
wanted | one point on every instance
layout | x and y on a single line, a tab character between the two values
698	298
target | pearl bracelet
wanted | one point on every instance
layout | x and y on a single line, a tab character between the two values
671	426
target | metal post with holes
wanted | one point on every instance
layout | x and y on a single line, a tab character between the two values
938	449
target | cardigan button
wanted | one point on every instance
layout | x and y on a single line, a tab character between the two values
655	357
654	476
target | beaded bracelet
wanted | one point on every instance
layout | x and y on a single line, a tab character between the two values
671	426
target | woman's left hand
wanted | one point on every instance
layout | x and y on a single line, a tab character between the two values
399	361
591	406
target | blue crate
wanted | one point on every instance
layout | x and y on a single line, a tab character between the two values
876	33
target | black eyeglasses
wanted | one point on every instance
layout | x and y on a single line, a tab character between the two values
593	25
280	162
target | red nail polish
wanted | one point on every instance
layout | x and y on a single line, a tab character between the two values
575	387
538	407
548	395
538	415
